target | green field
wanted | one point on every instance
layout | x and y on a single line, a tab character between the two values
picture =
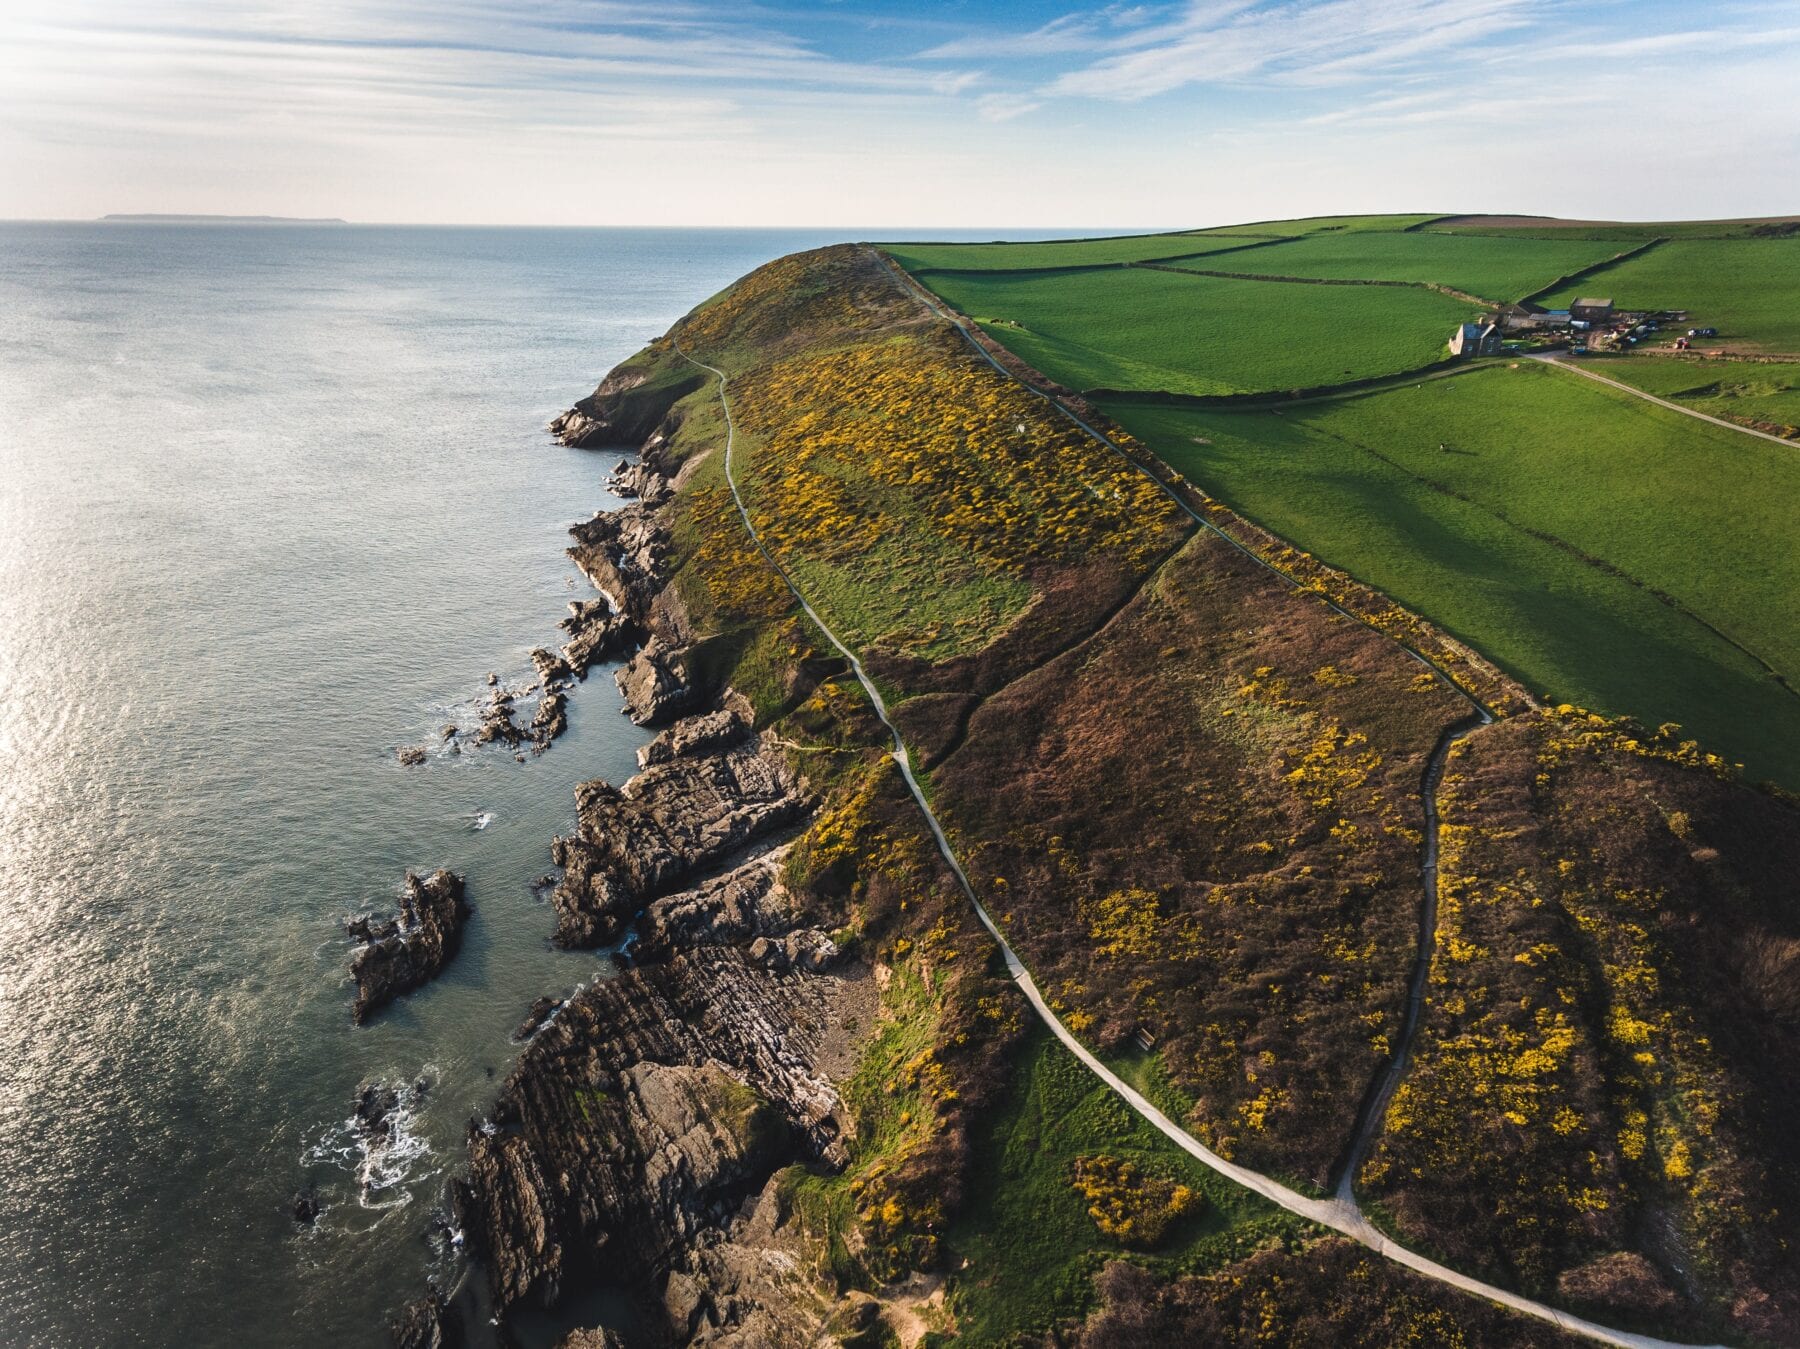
1151	330
1619	231
1032	1248
1058	253
1561	485
1758	390
1496	269
1319	224
1746	288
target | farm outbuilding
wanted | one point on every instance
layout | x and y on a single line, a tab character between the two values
1475	339
1591	311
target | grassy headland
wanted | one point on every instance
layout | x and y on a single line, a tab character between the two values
1191	794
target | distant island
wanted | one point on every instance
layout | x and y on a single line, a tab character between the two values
154	219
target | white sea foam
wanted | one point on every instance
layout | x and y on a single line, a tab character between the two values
382	1158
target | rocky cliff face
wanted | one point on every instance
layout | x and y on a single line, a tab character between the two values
404	952
636	1139
647	1111
628	406
669	823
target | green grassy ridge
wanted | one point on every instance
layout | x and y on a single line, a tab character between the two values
1745	288
1032	1248
1498	269
1761	391
1137	328
1052	255
1612	477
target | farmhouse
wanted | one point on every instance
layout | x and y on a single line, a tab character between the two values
1591	311
1475	339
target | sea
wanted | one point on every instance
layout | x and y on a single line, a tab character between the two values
275	501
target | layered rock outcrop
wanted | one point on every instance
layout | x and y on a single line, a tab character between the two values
647	1111
406	951
669	823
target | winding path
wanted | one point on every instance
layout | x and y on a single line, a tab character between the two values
1585	373
1340	1212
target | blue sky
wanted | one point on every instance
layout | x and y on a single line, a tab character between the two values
835	112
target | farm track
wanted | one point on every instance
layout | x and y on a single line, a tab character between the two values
1557	364
1340	1213
1381	1089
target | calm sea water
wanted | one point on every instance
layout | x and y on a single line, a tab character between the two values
273	502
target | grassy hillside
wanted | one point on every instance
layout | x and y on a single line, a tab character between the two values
1192	795
1148	329
1033	1236
1520	506
1501	270
1745	288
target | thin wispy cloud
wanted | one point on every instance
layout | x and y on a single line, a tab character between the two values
814	109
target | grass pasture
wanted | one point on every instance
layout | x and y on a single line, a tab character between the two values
1501	270
1002	257
1758	391
1032	1248
1321	224
1520	532
1145	329
1622	231
1745	288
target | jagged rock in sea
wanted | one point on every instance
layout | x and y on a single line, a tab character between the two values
600	1337
551	718
307	1207
497	719
542	1009
427	1324
668	823
405	952
551	668
703	734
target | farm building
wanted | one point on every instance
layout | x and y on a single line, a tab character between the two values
1591	311
1525	317
1475	339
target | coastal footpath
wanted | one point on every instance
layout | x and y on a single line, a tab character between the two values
1185	769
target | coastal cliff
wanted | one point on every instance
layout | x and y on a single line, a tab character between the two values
1187	770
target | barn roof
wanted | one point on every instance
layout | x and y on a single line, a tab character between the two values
1592	304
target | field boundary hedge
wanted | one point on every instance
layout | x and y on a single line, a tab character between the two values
1162	265
1072	267
1168	398
1597	267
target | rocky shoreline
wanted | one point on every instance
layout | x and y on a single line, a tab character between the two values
635	1141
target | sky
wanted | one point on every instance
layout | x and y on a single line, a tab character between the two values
894	113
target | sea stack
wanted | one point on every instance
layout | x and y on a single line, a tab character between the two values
405	952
